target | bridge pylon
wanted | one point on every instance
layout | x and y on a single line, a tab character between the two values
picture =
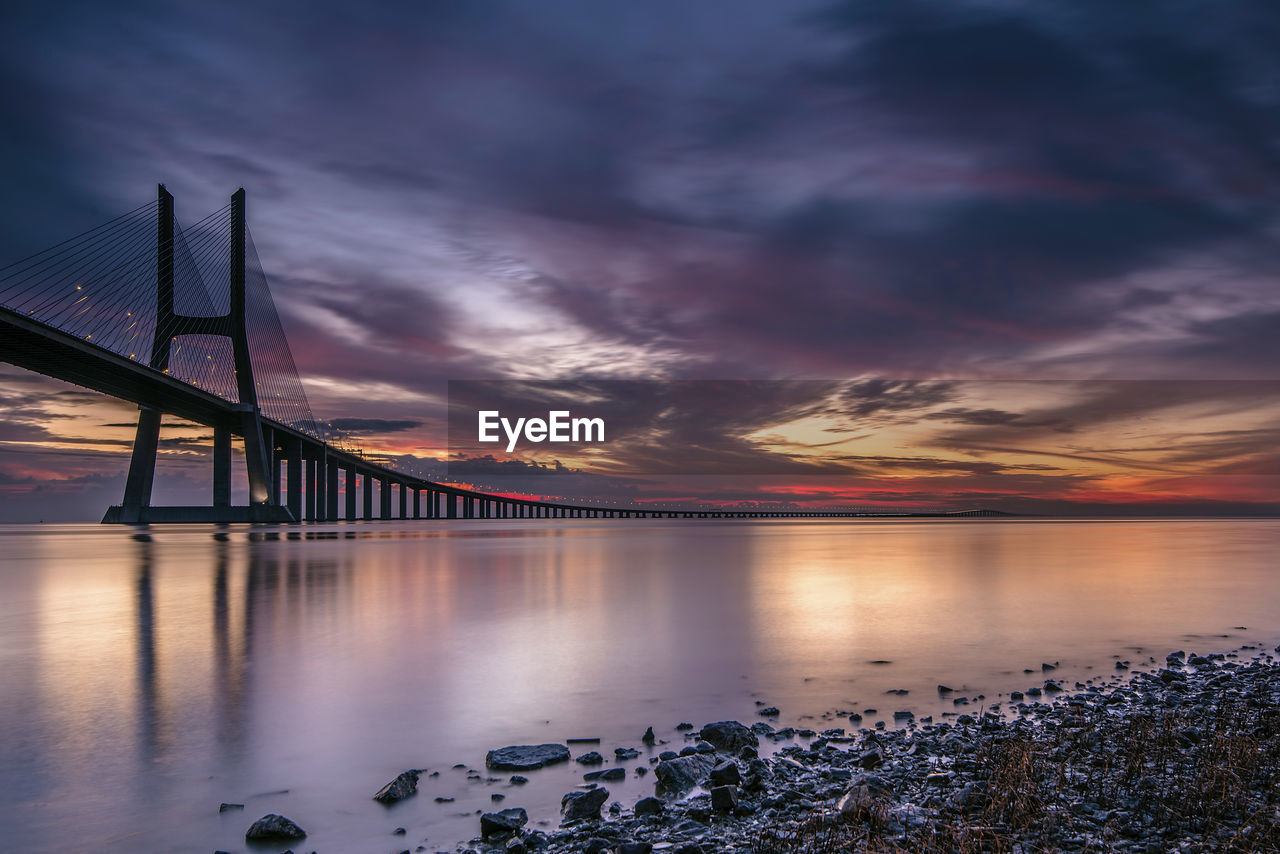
247	420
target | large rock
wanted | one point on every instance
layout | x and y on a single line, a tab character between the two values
681	774
400	788
729	736
523	757
726	774
505	821
576	806
724	798
274	827
649	806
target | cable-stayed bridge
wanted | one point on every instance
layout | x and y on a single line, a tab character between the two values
181	322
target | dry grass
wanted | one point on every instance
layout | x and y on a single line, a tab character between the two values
1213	778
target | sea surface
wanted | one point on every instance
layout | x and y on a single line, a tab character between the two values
149	675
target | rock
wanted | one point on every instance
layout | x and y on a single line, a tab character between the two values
649	806
725	774
591	758
861	799
626	752
872	758
506	821
610	774
943	689
515	845
403	786
517	780
648	737
576	806
635	848
683	773
729	736
399	831
769	712
724	799
524	757
229	807
684	726
274	827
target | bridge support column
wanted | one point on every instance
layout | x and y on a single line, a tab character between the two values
404	499
331	490
349	482
417	507
221	467
368	496
142	466
293	480
384	498
322	484
275	456
309	506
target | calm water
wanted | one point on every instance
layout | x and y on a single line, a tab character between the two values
147	679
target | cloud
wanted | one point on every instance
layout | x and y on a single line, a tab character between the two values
910	190
372	425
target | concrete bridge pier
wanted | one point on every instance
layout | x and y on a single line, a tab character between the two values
349	493
331	490
309	502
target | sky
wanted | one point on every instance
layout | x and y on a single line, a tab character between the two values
909	200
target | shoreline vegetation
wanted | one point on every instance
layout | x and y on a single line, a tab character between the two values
1183	758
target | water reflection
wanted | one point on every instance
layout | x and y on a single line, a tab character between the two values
325	660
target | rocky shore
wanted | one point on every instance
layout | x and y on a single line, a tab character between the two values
1184	758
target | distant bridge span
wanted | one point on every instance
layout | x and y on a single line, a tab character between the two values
128	310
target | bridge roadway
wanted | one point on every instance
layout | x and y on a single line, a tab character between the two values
305	471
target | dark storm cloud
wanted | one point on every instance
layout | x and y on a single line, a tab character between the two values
1241	340
1105	141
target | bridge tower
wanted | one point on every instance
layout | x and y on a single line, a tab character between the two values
263	506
